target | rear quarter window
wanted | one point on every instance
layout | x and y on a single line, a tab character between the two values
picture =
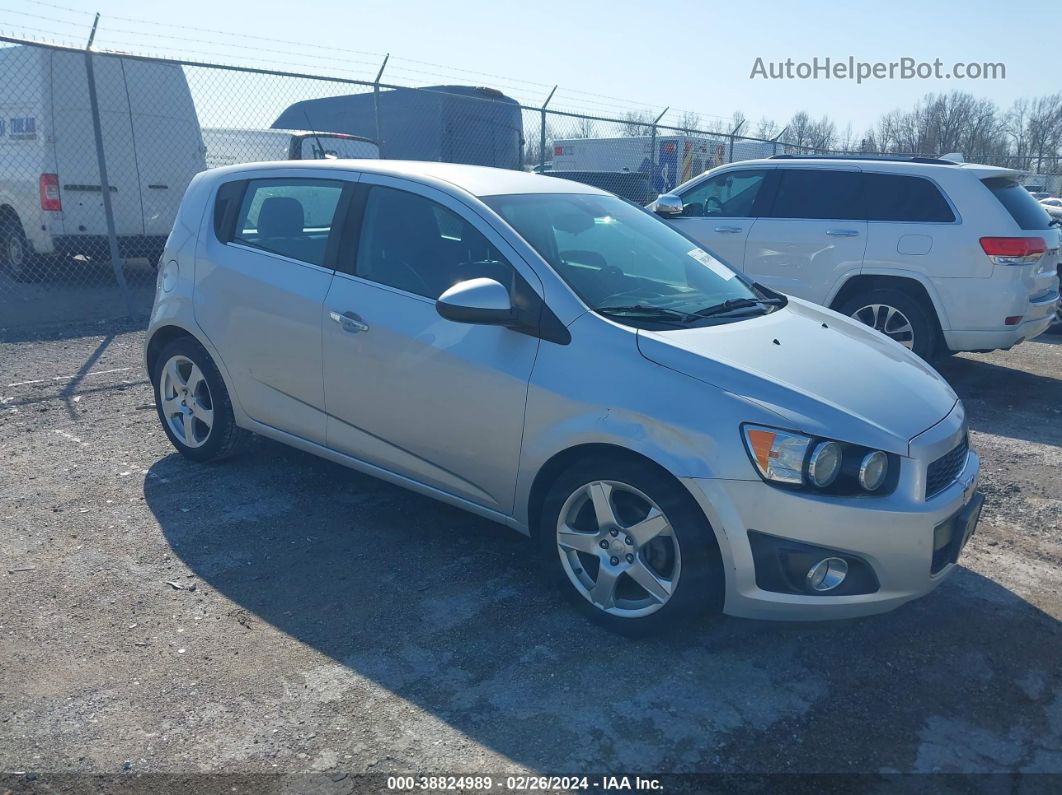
1023	208
893	197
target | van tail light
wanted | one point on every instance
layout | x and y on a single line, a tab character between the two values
1014	250
50	192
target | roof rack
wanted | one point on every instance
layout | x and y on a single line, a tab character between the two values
936	161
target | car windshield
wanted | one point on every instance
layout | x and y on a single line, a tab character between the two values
628	264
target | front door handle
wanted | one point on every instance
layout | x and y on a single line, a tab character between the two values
348	321
843	232
729	230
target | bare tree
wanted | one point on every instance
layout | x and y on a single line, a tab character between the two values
637	122
585	128
767	128
689	122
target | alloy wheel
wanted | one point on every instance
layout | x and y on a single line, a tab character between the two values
186	401
618	549
889	320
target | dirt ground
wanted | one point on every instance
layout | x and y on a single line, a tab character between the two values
281	613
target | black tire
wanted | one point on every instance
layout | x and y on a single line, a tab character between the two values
225	437
921	317
700	584
1056	326
16	256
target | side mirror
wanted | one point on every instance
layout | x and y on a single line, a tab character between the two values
479	301
667	205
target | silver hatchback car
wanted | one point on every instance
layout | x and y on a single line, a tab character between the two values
674	437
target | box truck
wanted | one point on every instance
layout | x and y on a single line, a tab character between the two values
51	197
452	124
678	157
227	146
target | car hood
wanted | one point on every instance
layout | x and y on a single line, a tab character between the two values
820	372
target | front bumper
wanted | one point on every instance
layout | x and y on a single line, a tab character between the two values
894	534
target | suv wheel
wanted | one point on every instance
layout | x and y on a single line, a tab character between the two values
631	548
897	315
193	404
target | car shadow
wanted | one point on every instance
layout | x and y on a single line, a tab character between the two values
1006	401
448	612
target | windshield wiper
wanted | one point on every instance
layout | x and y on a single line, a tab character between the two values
660	313
732	304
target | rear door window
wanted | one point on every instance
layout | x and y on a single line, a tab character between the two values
1022	206
818	193
290	217
894	197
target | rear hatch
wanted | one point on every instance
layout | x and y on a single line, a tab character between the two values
169	147
1039	275
75	148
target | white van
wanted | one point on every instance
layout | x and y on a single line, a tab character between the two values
51	200
227	146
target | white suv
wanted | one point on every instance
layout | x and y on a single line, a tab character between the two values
940	256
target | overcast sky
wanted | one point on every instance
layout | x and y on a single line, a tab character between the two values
689	55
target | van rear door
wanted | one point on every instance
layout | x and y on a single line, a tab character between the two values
75	147
169	147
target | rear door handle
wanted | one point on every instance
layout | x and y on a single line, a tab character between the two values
729	230
348	321
843	232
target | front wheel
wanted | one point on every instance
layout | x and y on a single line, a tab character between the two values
630	546
193	404
898	315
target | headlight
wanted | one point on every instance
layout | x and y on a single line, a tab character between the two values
796	459
873	469
824	464
777	454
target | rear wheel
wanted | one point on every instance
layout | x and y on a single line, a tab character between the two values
898	315
15	252
630	546
193	404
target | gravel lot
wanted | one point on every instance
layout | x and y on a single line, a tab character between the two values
281	613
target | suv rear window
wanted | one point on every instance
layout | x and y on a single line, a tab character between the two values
1023	208
892	197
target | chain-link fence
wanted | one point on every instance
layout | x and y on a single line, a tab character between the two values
97	148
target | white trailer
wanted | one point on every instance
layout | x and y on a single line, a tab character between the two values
678	157
226	146
51	199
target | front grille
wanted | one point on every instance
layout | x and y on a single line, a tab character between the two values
942	472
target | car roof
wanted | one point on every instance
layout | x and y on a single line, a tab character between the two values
476	180
887	165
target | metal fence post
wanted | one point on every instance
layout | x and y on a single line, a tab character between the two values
542	133
776	139
105	186
652	145
376	103
733	135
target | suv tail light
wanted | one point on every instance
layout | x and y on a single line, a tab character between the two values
1014	250
50	192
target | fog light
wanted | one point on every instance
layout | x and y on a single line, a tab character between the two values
827	574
